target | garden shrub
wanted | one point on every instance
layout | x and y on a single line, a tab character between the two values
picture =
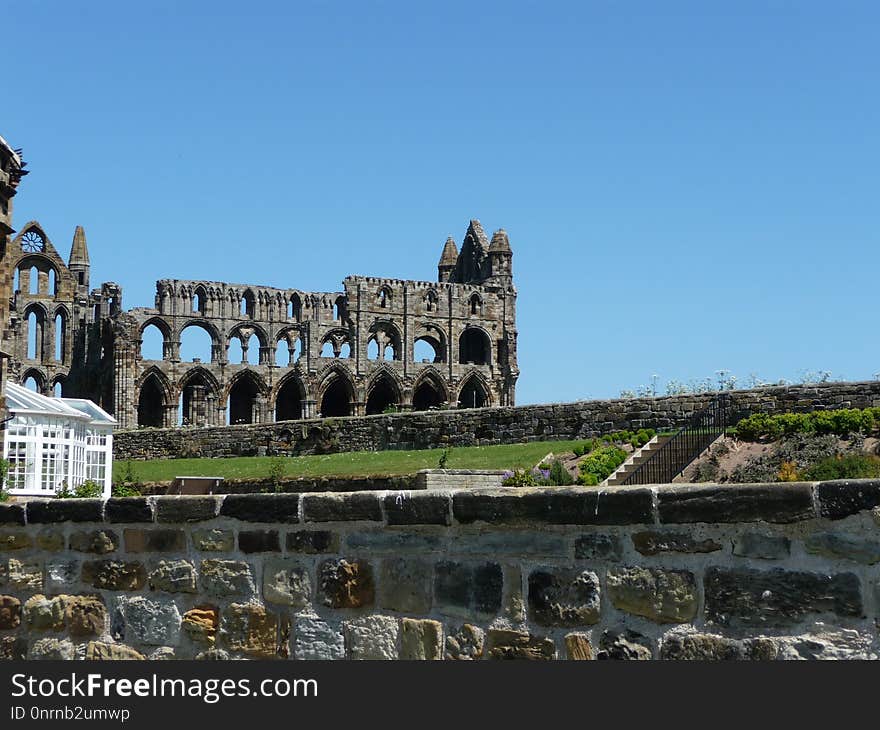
89	489
845	466
840	422
600	464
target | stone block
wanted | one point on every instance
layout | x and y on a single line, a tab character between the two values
173	576
12	514
85	615
227	578
316	638
213	540
50	540
748	597
101	651
155	622
350	507
259	541
312	542
700	647
652	542
563	597
21	575
128	510
158	540
763	547
346	584
286	582
843	547
64	510
250	629
578	647
200	624
465	643
664	596
43	614
262	507
10	613
414	508
842	498
114	575
598	546
15	540
776	503
508	644
466	588
421	639
97	542
405	585
372	637
186	509
624	645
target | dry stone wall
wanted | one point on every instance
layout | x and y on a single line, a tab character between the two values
475	427
772	571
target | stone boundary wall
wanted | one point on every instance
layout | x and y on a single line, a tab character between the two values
765	571
475	427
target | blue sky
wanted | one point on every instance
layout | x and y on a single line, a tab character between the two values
687	186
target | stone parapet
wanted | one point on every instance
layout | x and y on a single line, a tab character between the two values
665	572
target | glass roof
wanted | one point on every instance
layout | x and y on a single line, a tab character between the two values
21	400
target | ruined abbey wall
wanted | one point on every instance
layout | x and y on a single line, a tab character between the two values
479	427
350	352
770	571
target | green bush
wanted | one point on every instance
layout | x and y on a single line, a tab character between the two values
520	478
559	475
840	422
600	464
124	489
87	490
848	466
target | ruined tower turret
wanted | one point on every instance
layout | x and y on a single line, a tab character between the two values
78	263
448	259
500	259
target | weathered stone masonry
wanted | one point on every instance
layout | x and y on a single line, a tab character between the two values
475	427
687	572
351	352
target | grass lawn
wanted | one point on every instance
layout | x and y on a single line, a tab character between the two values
361	463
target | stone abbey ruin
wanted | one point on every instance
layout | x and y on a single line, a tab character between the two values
350	352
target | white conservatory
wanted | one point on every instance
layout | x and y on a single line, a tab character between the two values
53	442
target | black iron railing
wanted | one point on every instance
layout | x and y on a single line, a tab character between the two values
673	457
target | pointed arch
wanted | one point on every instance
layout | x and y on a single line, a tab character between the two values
474	392
199	392
243	395
289	396
154	396
429	391
383	392
39	378
475	304
336	393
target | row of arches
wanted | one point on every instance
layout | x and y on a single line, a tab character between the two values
259	305
251	344
198	399
46	338
37	381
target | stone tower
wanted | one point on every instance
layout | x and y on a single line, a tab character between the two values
79	260
11	172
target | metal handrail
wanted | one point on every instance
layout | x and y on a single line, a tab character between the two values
686	444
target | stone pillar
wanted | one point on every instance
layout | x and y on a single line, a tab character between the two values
309	408
266	355
171	350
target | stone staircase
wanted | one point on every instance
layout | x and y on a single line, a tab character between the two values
638	457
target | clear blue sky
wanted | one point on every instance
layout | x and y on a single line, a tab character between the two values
688	186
